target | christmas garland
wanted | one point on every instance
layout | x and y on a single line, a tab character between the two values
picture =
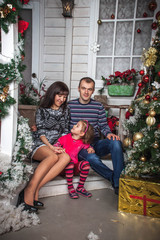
12	177
9	73
18	172
9	11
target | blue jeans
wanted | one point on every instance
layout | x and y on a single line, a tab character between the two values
102	148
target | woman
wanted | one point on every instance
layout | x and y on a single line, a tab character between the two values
52	120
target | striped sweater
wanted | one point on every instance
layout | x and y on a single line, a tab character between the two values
93	112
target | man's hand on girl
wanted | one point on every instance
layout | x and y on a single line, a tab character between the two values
90	150
111	135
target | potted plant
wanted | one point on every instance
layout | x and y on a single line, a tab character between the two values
29	98
121	83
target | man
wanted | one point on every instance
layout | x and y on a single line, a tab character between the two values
88	109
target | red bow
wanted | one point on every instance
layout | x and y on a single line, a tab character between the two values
22	26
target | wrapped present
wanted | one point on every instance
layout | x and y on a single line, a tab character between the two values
139	197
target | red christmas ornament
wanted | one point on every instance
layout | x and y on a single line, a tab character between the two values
158	15
1	173
145	14
140	84
158	74
128	114
138	30
155	98
158	126
154	25
112	16
145	78
152	5
141	72
147	97
13	9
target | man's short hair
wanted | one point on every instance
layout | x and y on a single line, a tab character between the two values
87	80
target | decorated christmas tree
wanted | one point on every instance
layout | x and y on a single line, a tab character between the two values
142	124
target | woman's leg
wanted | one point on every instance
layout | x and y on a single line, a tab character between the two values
84	170
48	158
63	160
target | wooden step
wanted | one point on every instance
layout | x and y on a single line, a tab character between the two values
59	185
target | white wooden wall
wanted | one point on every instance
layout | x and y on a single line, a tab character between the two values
81	30
59	32
54	41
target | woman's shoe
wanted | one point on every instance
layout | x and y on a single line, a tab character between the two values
26	206
29	208
38	204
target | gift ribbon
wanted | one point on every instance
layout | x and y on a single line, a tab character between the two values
145	201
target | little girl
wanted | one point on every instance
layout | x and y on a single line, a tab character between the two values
80	137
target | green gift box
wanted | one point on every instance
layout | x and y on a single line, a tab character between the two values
121	90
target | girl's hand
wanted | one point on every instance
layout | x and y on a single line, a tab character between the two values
34	128
57	149
90	150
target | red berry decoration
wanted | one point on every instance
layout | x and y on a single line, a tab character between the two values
145	78
140	84
145	14
147	97
138	30
158	126
154	25
158	74
141	72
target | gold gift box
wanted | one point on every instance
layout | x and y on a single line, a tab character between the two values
139	197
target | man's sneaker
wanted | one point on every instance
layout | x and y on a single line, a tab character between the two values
116	190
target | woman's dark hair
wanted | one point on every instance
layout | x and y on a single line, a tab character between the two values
49	97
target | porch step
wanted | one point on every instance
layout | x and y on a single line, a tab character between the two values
59	185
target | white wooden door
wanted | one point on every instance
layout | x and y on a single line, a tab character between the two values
120	30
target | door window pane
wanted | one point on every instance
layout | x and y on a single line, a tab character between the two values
107	8
121	64
123	38
142	39
142	7
126	9
104	66
105	38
